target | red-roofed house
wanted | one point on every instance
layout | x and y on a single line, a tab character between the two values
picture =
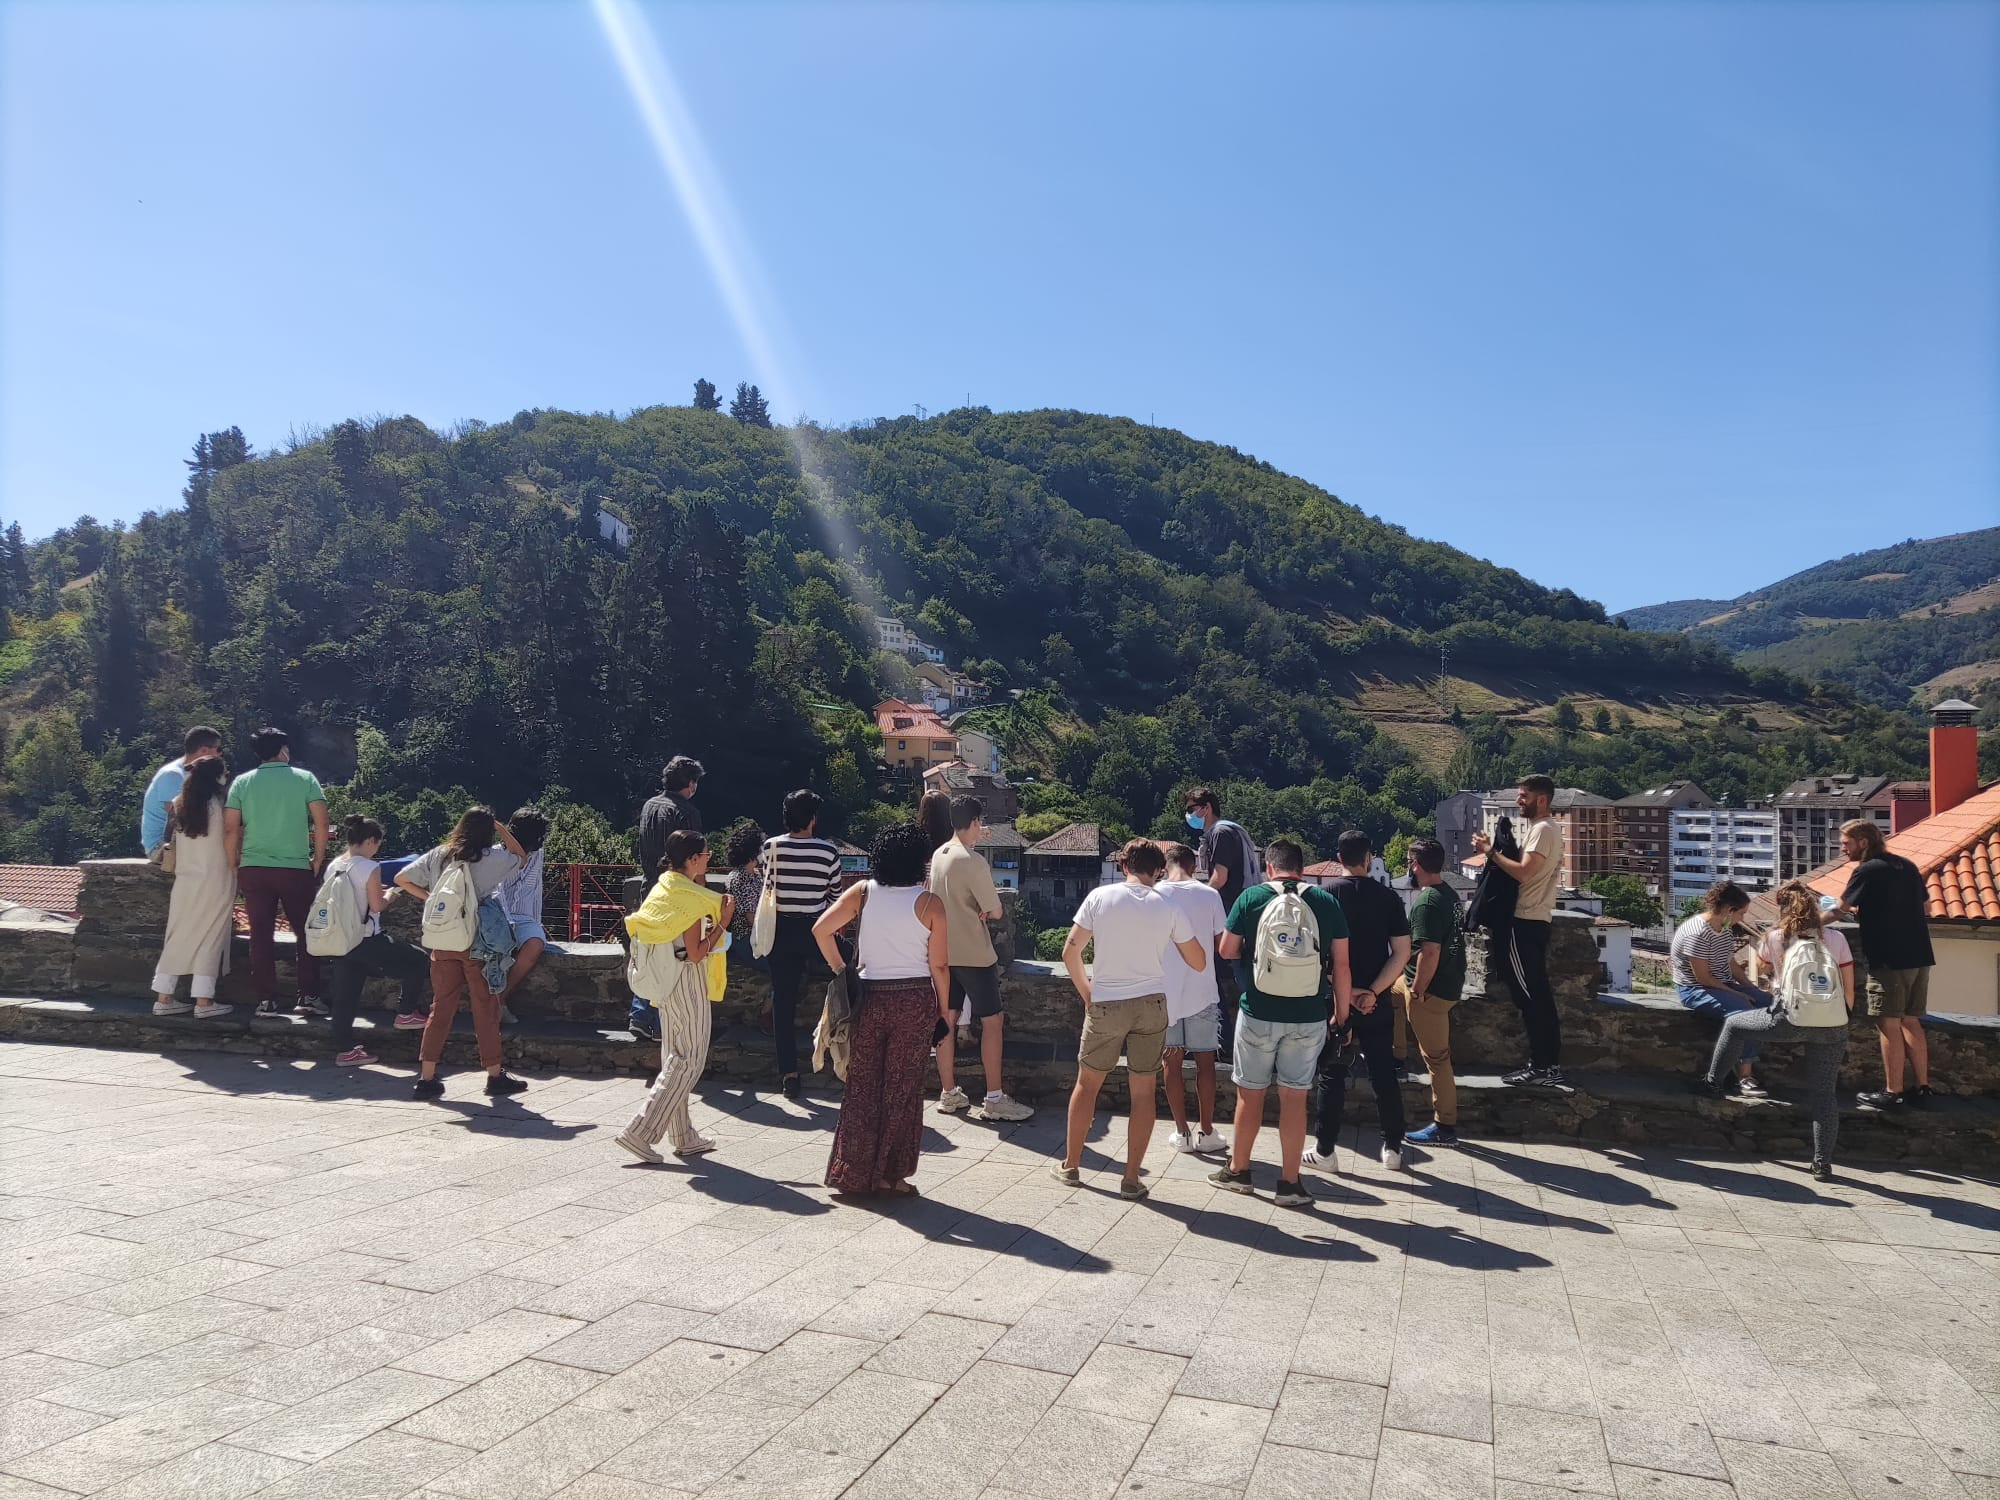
49	888
913	737
1957	849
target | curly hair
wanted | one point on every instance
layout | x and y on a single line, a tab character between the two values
745	840
901	856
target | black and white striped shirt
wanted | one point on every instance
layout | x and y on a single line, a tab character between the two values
807	872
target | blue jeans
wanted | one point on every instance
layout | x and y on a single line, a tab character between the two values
1722	1004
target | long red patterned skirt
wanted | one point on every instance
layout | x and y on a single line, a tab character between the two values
888	1063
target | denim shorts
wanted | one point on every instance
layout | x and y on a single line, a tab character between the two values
1200	1032
1287	1051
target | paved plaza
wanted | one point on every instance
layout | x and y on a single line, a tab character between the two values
232	1276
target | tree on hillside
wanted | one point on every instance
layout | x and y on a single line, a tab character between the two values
1601	720
202	591
1568	720
705	398
750	408
117	648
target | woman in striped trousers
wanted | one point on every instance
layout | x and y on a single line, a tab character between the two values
683	912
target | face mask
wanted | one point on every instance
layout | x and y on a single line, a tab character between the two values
1196	822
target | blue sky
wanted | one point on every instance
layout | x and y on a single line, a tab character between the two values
1648	300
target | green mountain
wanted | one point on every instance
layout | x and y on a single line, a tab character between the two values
1920	619
550	606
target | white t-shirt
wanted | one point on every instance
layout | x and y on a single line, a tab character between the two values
1133	926
358	871
1189	993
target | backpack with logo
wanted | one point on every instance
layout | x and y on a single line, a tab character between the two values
336	924
1288	961
654	969
451	911
1810	993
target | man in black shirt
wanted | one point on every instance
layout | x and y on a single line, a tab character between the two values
1378	947
673	809
1226	861
1886	894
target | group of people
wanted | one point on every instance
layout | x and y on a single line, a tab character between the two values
264	835
1766	991
1211	952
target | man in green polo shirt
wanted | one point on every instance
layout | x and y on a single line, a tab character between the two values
276	825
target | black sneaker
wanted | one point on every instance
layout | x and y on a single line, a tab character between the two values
270	1008
1521	1076
790	1087
312	1005
646	1030
1921	1096
1707	1087
500	1084
1881	1099
1552	1077
1291	1195
1233	1182
1822	1171
428	1088
1750	1088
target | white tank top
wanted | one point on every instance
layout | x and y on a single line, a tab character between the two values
895	944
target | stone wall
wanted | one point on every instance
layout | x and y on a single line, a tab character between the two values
111	951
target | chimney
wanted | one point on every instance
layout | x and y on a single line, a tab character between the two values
1909	805
1954	755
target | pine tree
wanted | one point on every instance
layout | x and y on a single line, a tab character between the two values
750	408
705	398
117	645
202	590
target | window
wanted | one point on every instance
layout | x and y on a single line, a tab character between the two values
1060	890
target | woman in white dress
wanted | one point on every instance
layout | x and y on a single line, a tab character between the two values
201	913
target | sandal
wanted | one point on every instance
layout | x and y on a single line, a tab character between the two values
907	1190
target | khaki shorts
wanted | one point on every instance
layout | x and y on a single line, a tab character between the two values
1137	1027
1894	993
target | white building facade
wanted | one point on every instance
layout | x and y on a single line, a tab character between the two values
1721	843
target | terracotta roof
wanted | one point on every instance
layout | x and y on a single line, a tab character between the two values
44	887
1077	838
1002	836
894	716
1958	852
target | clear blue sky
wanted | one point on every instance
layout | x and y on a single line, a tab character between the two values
1649	300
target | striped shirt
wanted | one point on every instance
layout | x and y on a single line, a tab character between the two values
807	872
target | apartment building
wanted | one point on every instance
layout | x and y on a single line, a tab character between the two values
1810	813
1644	823
892	634
1589	828
1721	843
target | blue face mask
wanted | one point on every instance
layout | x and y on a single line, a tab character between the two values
1196	822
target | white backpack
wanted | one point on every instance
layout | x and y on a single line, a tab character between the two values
653	970
336	924
1809	988
1288	960
451	912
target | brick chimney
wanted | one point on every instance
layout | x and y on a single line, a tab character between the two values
1909	805
1954	755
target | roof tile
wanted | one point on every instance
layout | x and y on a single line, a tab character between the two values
1958	852
43	887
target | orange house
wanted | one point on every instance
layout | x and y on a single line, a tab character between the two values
913	737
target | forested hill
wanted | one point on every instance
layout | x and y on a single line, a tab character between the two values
434	613
1920	619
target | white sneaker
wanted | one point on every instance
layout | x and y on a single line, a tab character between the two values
1209	1143
1179	1142
1325	1160
1392	1158
951	1101
210	1012
171	1007
1000	1107
639	1149
695	1147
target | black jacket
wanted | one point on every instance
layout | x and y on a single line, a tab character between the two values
1491	904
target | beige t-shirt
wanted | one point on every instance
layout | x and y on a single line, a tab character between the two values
1537	900
963	881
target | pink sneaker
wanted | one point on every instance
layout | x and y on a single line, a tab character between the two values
356	1057
413	1020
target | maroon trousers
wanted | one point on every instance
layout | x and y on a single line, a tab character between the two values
265	890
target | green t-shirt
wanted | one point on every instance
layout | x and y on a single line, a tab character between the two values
1243	919
276	801
1434	919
